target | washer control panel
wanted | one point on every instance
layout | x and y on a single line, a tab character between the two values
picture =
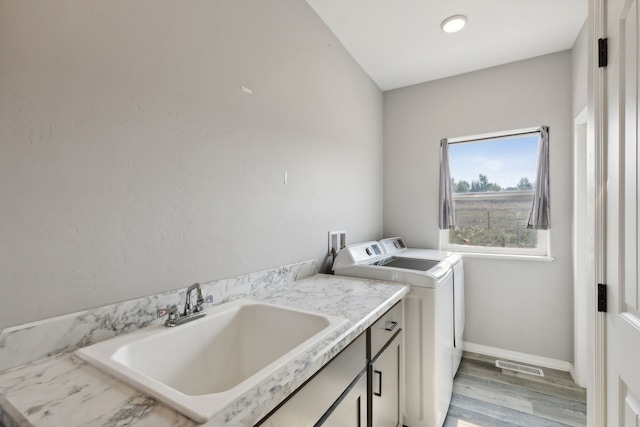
362	253
393	245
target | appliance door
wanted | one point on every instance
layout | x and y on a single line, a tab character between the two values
417	264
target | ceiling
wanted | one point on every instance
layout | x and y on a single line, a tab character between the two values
400	43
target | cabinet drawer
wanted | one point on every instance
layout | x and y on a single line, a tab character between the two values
385	327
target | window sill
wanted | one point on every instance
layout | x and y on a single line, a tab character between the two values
534	258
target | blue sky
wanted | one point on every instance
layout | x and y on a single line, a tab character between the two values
504	161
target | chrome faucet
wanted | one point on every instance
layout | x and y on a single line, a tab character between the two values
188	306
190	312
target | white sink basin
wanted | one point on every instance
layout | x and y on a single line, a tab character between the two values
200	367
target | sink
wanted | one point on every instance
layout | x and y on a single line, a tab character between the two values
200	367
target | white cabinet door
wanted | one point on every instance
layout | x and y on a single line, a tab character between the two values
386	393
308	406
352	410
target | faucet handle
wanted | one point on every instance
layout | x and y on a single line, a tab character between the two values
172	311
167	310
202	300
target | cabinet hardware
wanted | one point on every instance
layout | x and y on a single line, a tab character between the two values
390	326
379	392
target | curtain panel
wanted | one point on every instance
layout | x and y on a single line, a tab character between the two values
447	218
539	216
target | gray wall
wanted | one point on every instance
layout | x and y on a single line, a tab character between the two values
579	67
521	306
132	162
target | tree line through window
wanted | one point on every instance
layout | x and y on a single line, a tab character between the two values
483	185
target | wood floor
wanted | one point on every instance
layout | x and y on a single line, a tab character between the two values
486	396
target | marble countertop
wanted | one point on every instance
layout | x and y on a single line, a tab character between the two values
64	390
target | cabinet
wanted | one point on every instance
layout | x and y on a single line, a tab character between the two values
360	387
386	393
334	389
386	370
352	410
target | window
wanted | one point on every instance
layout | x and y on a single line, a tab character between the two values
493	183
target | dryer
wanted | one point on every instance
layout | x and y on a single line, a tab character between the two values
395	246
428	325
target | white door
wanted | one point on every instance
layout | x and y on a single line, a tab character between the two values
622	330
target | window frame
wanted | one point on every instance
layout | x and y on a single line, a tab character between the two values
543	236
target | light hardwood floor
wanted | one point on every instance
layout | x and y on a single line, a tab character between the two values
487	396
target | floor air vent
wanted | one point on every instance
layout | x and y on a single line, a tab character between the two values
519	368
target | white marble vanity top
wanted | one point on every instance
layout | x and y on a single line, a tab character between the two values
63	390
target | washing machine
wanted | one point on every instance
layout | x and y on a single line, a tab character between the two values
395	246
428	325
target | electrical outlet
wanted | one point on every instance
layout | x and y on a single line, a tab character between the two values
337	241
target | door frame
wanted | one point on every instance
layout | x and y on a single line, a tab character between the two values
583	251
597	130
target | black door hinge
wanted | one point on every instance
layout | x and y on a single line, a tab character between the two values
602	298
602	53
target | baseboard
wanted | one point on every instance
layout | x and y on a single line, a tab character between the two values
544	362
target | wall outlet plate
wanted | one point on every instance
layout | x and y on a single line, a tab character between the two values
337	241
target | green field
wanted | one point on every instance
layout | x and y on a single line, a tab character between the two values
494	223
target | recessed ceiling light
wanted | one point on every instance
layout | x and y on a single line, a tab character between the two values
453	23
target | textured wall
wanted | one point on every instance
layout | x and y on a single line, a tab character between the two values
132	162
522	306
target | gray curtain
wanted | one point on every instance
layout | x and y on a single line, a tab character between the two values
539	216
447	219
